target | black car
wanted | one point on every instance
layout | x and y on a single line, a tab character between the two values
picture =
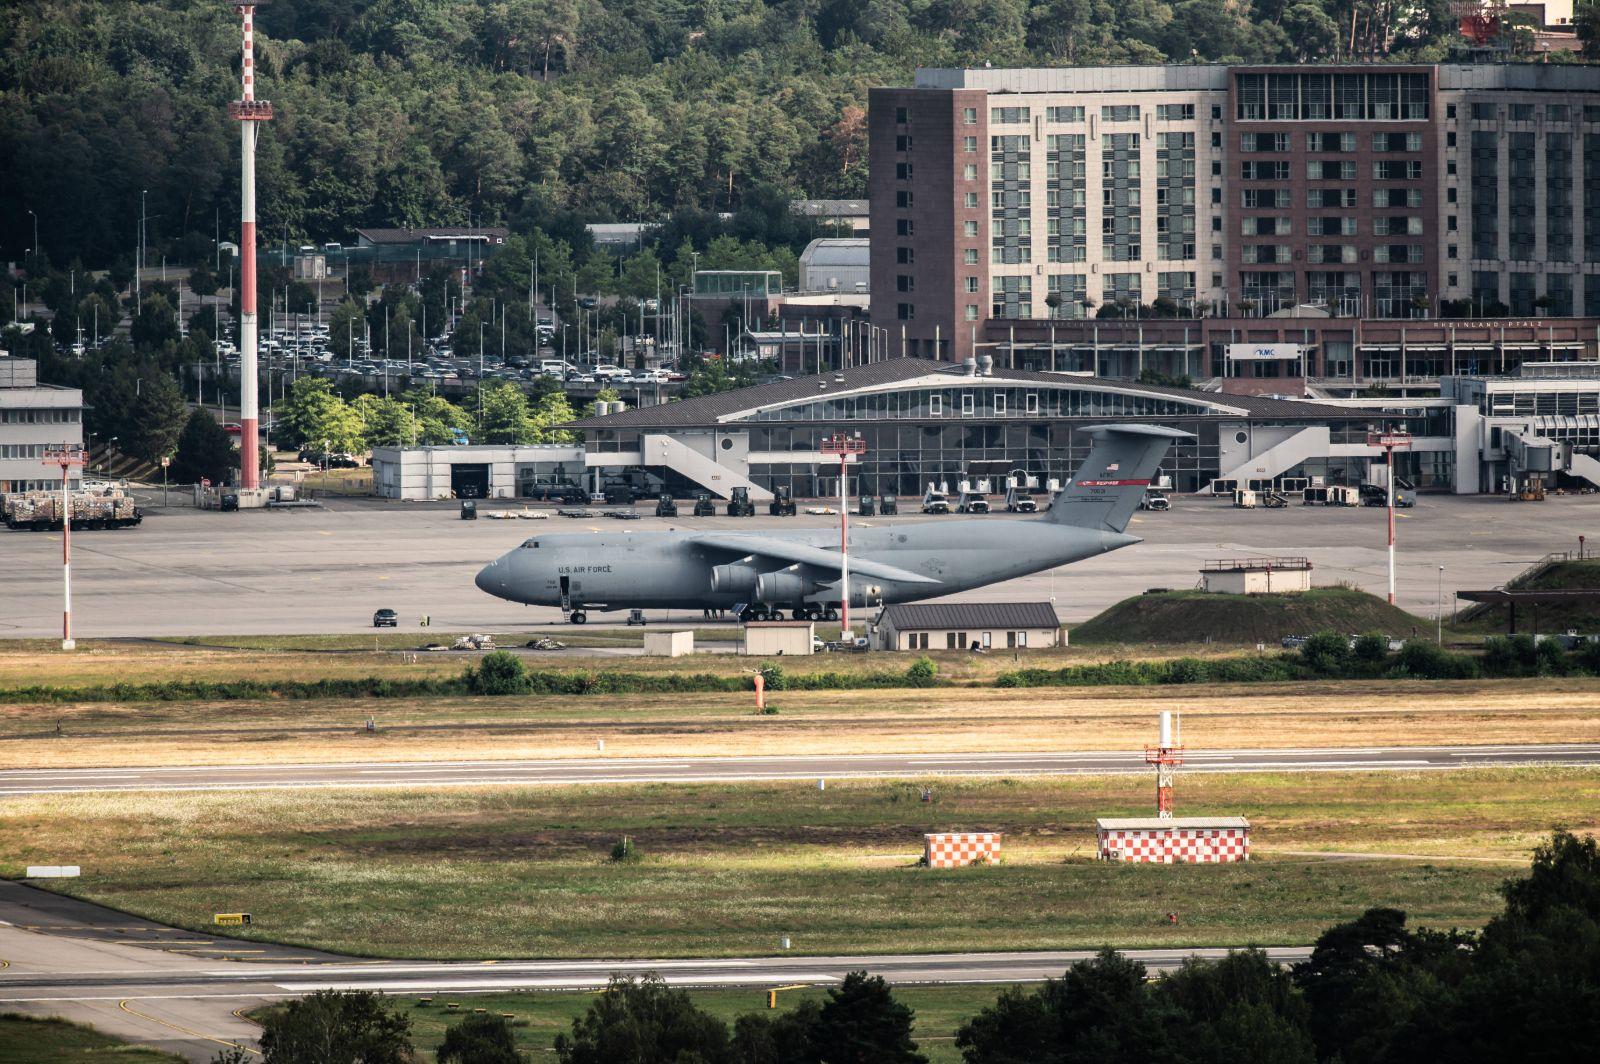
385	619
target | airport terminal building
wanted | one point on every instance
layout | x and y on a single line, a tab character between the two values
924	420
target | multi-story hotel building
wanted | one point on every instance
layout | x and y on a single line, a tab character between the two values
1385	221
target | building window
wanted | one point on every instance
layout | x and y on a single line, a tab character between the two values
1277	142
902	171
1345	142
902	142
969	228
1397	142
969	256
970	200
905	282
969	116
905	256
904	199
1265	171
1485	112
1030	403
1557	112
1174	112
905	227
968	404
1063	114
1521	112
969	172
972	312
1120	113
905	311
969	143
1331	169
972	284
936	404
1396	170
902	115
1008	115
999	403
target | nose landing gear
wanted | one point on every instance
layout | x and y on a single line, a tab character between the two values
577	617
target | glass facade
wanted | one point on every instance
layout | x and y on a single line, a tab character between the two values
1120	206
1320	97
1485	194
1065	162
1175	207
1010	194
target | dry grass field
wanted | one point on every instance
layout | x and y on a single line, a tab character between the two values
932	720
727	870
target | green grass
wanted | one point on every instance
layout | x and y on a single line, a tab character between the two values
539	1017
27	1040
1200	617
729	869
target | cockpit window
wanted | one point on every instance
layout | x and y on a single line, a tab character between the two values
530	543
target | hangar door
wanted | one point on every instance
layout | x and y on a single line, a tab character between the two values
469	480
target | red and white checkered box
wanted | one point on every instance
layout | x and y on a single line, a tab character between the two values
1175	842
960	849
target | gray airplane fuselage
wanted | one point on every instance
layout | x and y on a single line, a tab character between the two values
673	569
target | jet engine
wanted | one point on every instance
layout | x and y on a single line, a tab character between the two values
733	579
783	587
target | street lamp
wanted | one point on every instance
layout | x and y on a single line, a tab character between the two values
1438	610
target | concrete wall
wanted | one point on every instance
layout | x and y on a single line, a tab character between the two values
768	639
668	644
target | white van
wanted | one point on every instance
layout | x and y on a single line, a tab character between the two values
556	367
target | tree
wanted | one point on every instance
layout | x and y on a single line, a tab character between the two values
205	451
155	324
480	1040
314	416
337	1027
385	422
642	1021
862	1023
202	282
437	419
505	415
155	419
553	409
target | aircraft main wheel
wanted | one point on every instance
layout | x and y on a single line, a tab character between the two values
578	617
831	614
777	615
802	614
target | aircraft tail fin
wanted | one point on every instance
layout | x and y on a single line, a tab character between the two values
1106	489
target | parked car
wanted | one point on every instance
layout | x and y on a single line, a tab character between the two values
385	619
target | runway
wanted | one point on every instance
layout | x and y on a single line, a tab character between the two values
576	771
76	959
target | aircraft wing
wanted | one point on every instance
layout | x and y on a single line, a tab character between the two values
802	554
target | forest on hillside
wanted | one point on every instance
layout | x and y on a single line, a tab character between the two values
427	112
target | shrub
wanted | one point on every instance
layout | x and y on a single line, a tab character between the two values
1424	660
480	1039
774	677
499	673
1185	670
1326	652
624	851
1551	658
1371	648
922	673
1509	655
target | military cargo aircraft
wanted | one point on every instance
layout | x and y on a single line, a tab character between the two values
761	574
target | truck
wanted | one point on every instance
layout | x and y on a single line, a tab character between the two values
936	500
41	511
739	504
888	504
974	498
782	504
1155	499
867	507
1019	500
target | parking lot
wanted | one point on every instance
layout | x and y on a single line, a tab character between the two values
187	572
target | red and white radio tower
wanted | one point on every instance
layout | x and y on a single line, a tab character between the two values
248	111
1166	756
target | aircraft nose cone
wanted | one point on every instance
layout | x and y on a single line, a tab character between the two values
488	578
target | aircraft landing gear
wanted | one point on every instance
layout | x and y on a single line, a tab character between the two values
578	617
830	614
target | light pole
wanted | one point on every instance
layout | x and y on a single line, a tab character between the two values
35	218
1388	441
1438	610
846	447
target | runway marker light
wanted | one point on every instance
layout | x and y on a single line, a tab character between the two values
231	919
